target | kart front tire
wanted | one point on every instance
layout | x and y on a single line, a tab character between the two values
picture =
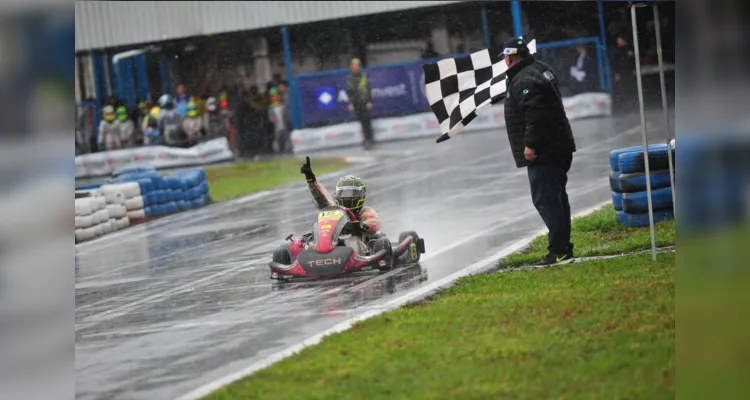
412	254
380	244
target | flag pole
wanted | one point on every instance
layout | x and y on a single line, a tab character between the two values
643	130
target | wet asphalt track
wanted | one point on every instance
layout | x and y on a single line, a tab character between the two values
166	307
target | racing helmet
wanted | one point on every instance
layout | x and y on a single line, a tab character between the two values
108	113
350	193
122	113
192	110
164	100
211	104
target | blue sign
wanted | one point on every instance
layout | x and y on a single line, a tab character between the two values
397	90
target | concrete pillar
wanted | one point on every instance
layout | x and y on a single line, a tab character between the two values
263	70
439	35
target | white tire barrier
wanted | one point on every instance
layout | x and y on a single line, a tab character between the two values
135	214
136	203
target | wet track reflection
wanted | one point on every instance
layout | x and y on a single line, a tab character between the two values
168	306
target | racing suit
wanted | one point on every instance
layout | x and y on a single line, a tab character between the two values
366	215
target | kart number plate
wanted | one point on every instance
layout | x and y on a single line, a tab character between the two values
414	253
330	216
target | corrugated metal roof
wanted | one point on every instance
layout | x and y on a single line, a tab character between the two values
102	24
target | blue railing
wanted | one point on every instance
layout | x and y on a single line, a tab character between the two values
319	97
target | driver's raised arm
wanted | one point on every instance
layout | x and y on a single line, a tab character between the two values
320	195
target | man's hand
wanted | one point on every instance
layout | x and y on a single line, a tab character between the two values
307	171
369	106
351	108
529	154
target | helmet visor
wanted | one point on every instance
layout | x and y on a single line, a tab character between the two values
349	196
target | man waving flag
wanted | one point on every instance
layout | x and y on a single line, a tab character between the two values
458	89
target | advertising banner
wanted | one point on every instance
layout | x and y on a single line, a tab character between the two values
396	90
425	124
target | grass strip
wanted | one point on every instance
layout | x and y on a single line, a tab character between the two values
226	183
598	234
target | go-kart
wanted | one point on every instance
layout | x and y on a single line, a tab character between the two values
323	253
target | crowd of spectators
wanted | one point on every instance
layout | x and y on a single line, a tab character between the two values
253	122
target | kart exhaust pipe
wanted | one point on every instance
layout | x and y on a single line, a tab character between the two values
368	259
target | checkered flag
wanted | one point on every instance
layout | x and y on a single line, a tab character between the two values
458	89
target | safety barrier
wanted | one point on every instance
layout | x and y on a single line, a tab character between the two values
425	124
137	195
107	162
627	179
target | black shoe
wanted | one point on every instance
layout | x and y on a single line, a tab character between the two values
555	259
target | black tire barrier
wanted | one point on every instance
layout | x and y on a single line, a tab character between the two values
636	182
617	201
641	220
637	203
614	181
631	162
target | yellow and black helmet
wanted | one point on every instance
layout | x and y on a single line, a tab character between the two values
350	193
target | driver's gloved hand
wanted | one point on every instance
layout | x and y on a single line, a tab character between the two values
306	169
364	227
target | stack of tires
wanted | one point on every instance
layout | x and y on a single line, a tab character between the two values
194	187
627	179
123	202
92	216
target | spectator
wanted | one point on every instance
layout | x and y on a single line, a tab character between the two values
248	124
583	73
286	101
170	122
541	140
182	100
280	142
429	52
109	130
150	126
623	75
192	124
360	100
127	128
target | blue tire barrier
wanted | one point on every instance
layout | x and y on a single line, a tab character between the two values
634	161
170	208
90	187
615	154
636	203
204	187
146	185
191	178
182	205
198	202
161	197
641	220
149	211
614	181
636	182
617	201
149	199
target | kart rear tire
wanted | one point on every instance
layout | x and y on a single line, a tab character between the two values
281	255
412	247
380	244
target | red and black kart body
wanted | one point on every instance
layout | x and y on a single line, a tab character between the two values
323	254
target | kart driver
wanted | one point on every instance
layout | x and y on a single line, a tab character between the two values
350	193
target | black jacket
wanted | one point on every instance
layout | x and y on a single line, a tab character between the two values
535	115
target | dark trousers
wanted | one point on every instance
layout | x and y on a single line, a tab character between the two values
548	181
363	115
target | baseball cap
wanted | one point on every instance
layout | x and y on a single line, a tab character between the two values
515	46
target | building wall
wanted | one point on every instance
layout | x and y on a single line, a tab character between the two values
103	24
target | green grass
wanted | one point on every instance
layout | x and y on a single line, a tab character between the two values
595	330
598	234
226	183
